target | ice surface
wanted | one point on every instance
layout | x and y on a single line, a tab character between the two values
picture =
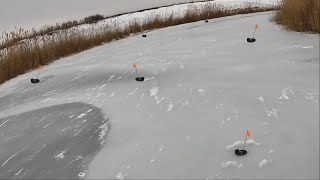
233	73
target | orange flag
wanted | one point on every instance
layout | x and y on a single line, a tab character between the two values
134	66
257	26
248	133
40	67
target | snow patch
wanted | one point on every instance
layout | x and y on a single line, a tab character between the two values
271	151
51	92
4	122
46	126
81	116
103	132
154	93
112	94
77	77
78	158
16	174
111	77
231	164
126	166
185	103
170	107
81	175
312	96
264	163
132	93
101	87
161	148
272	113
148	79
219	106
307	47
47	100
64	129
5	162
261	99
152	160
89	110
201	90
238	143
120	176
60	155
285	93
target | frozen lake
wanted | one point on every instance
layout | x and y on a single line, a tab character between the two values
205	86
34	13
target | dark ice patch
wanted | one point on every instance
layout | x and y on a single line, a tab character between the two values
55	142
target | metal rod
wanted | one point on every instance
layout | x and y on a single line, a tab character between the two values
245	141
38	73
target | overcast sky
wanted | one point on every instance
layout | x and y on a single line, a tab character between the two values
35	13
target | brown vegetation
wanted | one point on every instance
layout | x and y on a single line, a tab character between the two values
27	56
299	15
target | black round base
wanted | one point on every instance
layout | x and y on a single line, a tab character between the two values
144	35
240	152
34	81
140	79
206	21
251	40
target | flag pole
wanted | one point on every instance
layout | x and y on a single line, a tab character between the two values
136	72
245	141
38	73
254	32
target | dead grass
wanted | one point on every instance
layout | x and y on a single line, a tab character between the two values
23	57
10	39
299	15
